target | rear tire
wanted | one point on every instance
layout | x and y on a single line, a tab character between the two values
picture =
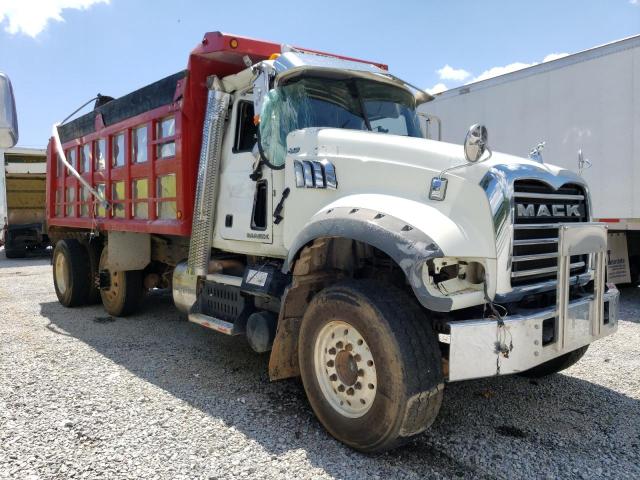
370	364
14	250
71	273
124	293
557	364
94	250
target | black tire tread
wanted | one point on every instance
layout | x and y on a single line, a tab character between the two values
15	252
78	259
420	348
134	293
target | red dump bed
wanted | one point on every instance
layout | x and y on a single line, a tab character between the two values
142	150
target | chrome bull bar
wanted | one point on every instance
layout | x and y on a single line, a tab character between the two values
580	239
488	346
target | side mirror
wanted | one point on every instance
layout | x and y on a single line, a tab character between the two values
8	117
475	143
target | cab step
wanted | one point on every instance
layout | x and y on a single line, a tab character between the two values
213	323
221	306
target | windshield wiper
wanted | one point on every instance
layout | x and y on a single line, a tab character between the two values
354	83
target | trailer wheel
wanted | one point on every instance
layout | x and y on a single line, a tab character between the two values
11	252
557	364
370	364
71	273
121	292
13	249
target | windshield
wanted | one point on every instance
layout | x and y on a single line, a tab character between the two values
353	103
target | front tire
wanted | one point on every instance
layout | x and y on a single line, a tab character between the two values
71	273
370	364
123	294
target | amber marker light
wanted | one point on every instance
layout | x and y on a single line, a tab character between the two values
233	43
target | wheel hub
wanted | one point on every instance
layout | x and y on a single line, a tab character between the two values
62	273
345	369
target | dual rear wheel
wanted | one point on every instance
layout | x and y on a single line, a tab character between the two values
80	277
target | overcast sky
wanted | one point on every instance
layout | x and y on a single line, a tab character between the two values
60	53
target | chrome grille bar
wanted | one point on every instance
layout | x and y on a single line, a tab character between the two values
537	256
548	196
540	271
535	241
535	226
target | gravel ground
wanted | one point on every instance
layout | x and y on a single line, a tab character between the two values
154	396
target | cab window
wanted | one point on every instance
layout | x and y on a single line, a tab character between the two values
245	137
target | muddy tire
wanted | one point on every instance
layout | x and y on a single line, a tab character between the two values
123	294
93	251
370	364
71	273
557	364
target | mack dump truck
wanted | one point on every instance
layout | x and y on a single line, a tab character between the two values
291	196
22	208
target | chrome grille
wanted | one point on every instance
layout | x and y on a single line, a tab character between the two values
538	210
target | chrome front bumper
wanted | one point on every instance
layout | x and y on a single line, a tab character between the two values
487	347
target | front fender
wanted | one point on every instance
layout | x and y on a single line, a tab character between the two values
407	246
410	232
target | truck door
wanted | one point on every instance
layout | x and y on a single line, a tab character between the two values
245	205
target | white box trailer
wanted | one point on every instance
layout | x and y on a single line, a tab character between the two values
22	200
583	106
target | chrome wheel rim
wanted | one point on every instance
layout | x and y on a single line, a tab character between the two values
345	369
62	272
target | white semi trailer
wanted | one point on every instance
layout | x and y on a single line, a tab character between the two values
586	109
8	138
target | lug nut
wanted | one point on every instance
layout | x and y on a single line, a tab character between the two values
361	373
358	386
333	377
350	391
330	363
339	345
341	388
357	357
332	351
349	347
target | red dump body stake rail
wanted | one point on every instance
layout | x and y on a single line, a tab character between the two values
142	149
